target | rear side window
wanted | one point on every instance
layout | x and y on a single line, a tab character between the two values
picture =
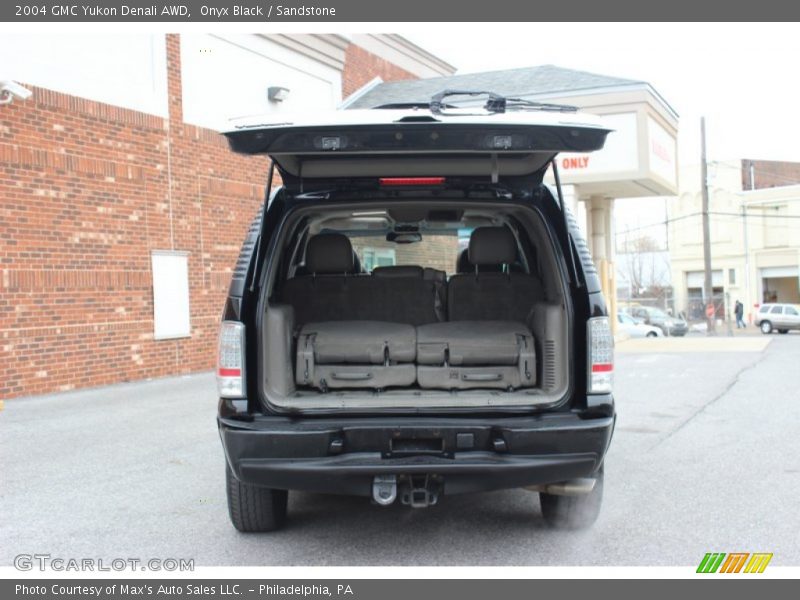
776	310
790	311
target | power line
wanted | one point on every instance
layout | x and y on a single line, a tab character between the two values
752	216
697	214
657	224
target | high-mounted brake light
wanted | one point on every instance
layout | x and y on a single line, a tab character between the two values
400	181
600	350
230	360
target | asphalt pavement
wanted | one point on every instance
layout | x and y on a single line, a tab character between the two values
705	458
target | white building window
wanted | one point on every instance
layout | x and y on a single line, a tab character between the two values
696	279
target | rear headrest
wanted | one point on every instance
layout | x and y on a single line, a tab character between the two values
328	254
399	271
492	246
464	266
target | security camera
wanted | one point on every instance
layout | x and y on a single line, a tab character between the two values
10	90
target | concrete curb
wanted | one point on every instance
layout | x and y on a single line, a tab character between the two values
694	344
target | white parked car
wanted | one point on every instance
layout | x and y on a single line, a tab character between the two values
636	329
778	317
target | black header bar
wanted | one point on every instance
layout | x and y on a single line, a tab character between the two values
337	11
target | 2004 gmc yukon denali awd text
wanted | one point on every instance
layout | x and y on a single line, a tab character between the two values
414	314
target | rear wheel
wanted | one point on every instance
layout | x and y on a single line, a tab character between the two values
651	334
783	331
254	508
766	327
573	512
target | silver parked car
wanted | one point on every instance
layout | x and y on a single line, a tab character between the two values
656	317
778	317
635	328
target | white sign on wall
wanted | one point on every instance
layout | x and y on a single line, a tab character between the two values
619	155
661	151
170	294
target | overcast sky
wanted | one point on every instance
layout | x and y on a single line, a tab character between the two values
745	78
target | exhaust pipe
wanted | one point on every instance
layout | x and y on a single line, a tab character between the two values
384	489
573	487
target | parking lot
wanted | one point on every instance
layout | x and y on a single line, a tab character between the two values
704	459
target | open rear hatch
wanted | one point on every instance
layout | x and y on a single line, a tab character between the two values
502	138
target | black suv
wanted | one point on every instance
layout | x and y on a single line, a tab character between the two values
415	313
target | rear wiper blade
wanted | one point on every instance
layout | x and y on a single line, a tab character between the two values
495	103
533	105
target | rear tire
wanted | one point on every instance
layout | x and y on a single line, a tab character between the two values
766	327
651	334
573	512
783	331
254	508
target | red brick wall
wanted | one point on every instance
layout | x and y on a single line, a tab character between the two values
87	190
769	173
361	67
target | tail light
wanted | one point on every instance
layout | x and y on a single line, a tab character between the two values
230	360
600	349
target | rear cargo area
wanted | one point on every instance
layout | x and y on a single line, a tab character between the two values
415	306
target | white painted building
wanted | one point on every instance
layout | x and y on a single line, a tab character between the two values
224	75
755	239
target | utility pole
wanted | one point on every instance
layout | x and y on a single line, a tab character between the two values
747	298
708	290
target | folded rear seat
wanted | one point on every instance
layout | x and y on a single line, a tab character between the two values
487	343
475	354
356	354
354	331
